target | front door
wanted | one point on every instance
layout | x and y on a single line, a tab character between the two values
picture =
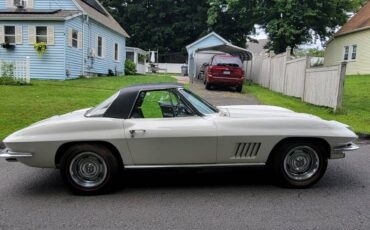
163	130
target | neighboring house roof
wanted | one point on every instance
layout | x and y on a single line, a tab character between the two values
37	14
360	21
205	37
93	8
258	47
222	45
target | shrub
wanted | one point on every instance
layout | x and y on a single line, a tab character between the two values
130	67
11	81
7	75
7	70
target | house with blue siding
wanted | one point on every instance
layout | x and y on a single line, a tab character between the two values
81	37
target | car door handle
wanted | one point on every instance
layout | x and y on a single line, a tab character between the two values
133	131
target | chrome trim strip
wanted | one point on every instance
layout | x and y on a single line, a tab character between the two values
6	153
349	147
192	165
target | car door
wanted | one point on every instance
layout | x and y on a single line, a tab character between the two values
163	130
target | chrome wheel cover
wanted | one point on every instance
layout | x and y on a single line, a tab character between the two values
301	163
88	169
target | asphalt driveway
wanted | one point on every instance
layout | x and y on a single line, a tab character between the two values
222	96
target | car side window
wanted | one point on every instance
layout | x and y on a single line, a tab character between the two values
160	104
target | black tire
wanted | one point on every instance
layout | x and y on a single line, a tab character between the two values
282	170
208	86
239	88
103	157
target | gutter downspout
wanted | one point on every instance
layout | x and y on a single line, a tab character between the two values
83	44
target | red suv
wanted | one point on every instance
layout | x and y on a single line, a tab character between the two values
225	70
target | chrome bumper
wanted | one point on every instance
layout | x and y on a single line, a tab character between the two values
11	156
338	152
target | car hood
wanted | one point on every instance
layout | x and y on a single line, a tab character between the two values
262	111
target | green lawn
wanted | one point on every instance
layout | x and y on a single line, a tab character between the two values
355	110
23	105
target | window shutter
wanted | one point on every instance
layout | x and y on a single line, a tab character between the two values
79	40
103	47
113	51
18	35
32	34
96	46
2	36
29	4
118	52
50	38
70	32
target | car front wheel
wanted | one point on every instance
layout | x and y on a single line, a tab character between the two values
208	85
89	169
299	164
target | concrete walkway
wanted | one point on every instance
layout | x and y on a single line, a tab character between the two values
219	96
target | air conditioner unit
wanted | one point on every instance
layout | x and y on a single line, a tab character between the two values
20	4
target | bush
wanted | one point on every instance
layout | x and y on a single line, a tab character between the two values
130	67
11	81
7	70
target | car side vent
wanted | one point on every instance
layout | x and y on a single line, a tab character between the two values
247	150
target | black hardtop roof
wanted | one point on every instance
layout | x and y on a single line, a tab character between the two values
123	104
154	86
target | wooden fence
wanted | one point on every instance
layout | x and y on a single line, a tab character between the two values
18	69
294	77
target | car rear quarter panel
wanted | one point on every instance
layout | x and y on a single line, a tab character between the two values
43	140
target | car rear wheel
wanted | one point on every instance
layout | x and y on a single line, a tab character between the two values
239	88
89	169
299	164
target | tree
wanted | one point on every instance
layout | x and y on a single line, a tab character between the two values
166	25
294	22
287	22
233	19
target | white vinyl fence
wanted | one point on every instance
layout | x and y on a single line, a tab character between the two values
17	69
168	67
294	77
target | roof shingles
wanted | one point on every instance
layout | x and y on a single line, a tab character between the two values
57	15
106	20
360	20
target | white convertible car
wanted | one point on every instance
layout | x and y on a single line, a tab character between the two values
165	125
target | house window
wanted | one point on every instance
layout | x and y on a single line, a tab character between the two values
116	52
100	46
74	38
354	52
41	34
346	52
9	34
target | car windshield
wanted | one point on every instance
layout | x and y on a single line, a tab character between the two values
201	105
222	60
100	109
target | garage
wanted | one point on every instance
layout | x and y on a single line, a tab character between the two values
202	51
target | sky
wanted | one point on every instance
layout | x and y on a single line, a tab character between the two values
261	34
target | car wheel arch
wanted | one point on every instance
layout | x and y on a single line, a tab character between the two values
314	140
64	147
